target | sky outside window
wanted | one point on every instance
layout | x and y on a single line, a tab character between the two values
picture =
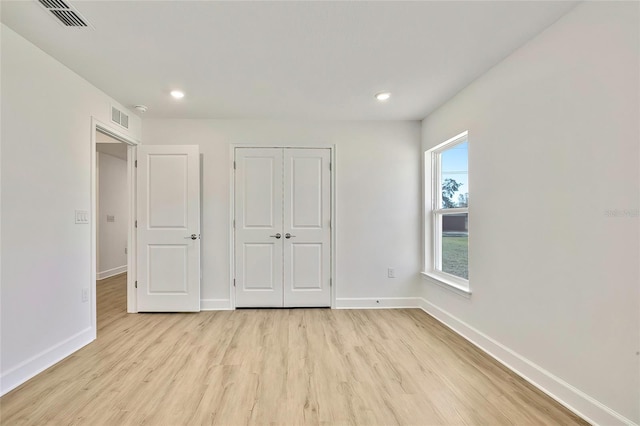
455	165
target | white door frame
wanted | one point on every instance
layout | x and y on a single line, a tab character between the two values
232	238
97	125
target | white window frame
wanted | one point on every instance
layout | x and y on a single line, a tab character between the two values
433	213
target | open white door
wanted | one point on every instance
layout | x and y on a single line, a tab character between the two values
168	225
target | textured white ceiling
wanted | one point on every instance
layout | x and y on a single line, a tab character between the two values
285	60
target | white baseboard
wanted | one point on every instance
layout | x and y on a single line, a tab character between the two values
215	304
45	359
111	272
377	302
574	399
341	303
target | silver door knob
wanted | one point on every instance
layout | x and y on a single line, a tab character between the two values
192	237
288	235
277	236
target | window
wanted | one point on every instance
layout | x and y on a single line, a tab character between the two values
447	212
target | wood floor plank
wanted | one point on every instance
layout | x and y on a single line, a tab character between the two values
277	367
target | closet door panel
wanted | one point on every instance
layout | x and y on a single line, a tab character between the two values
307	231
258	223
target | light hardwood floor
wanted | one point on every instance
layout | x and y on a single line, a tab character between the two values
298	366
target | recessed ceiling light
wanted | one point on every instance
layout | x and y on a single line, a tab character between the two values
177	94
383	96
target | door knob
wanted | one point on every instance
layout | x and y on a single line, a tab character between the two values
277	236
192	237
288	235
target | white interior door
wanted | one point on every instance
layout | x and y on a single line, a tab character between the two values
282	227
258	227
168	217
307	227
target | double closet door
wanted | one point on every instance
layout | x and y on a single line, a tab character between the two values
282	227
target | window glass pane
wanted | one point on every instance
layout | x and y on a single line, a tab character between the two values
454	176
455	244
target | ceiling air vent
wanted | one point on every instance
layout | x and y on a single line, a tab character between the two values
64	13
119	117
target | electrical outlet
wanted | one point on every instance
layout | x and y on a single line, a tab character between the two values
391	272
85	295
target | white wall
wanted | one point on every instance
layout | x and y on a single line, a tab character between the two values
46	156
378	193
554	145
112	201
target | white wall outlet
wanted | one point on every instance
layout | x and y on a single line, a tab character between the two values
82	216
85	294
111	218
391	272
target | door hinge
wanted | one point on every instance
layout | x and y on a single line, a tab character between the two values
234	282
234	165
135	163
136	224
330	282
234	224
329	166
136	284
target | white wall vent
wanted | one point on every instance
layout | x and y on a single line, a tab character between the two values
119	117
65	14
124	120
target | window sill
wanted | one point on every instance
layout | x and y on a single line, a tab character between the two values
448	284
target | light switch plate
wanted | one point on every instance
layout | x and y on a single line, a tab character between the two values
82	216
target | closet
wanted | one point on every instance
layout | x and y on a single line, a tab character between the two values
282	227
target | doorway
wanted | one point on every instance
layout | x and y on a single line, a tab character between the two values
112	224
112	206
283	227
105	133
